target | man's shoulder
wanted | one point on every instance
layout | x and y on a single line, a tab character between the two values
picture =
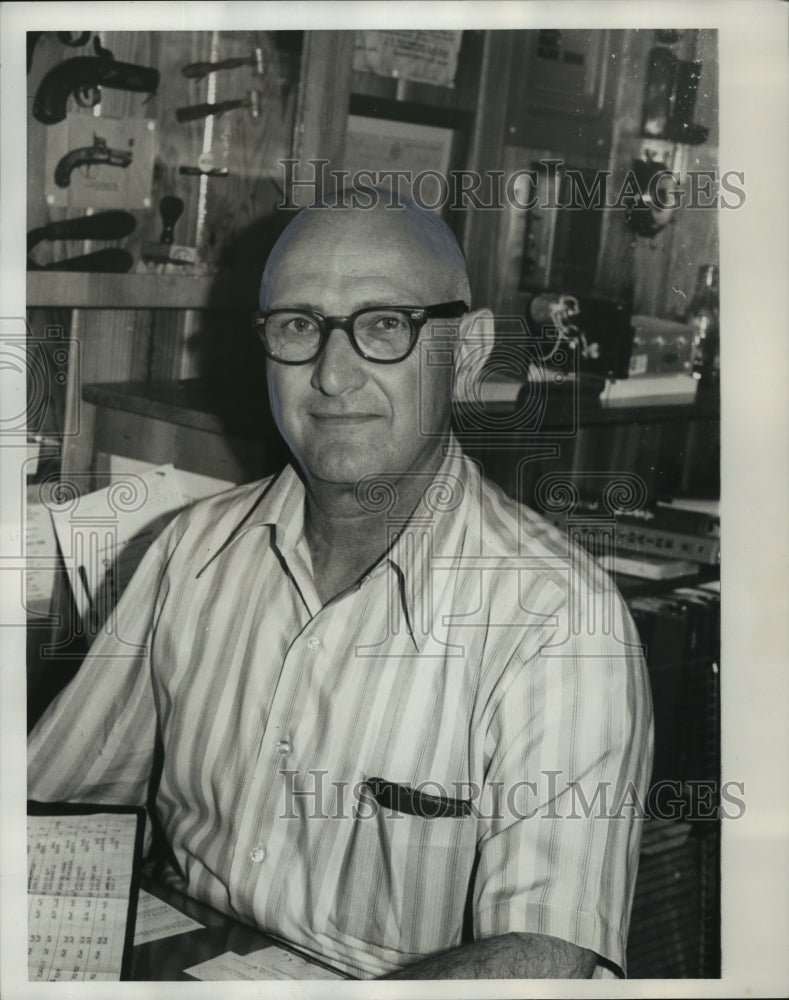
509	527
232	500
512	530
220	514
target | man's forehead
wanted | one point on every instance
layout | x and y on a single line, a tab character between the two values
368	254
353	260
409	249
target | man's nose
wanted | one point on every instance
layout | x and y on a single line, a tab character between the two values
338	367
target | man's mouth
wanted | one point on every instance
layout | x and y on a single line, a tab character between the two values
344	417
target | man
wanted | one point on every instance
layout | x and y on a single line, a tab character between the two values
375	684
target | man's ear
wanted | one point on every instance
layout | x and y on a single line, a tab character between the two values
475	342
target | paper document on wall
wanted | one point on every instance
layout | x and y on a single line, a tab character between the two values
419	56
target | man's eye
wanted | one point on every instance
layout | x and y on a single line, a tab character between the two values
299	325
378	323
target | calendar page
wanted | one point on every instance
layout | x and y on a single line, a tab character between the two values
81	894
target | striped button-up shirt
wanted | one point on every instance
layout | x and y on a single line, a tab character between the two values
483	671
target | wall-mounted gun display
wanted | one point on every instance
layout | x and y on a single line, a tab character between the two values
83	77
96	154
63	36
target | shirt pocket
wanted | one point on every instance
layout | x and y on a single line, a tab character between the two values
404	879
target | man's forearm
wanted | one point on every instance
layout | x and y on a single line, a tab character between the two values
507	956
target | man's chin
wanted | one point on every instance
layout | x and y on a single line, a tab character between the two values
344	465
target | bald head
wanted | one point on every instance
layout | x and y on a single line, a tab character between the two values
405	239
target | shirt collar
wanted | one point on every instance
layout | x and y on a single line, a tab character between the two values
437	527
280	505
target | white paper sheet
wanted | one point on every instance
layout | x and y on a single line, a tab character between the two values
79	882
421	56
268	963
40	554
104	535
157	919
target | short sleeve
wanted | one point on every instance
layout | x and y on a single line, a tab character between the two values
570	742
95	742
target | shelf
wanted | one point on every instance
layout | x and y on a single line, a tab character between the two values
192	403
189	403
74	290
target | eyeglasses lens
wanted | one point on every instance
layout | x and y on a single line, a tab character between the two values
292	336
384	334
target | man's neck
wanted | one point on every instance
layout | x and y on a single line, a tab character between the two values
347	531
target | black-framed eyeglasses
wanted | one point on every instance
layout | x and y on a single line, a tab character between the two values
384	334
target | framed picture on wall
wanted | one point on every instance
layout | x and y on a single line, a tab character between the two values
382	146
409	147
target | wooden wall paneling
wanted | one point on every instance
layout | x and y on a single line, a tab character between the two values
486	229
705	50
112	347
48	328
658	274
136	436
615	271
177	144
700	474
502	265
137	47
539	114
233	220
251	149
693	237
168	344
324	95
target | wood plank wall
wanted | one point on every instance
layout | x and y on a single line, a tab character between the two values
232	221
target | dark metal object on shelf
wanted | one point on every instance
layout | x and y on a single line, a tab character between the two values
171	209
681	127
200	172
111	260
110	225
205	166
194	112
198	70
650	214
670	99
165	252
668	36
661	69
84	75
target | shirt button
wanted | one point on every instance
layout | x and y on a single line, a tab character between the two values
257	854
284	747
313	642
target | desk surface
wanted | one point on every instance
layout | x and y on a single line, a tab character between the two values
167	958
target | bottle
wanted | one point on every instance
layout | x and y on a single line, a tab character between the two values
702	316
